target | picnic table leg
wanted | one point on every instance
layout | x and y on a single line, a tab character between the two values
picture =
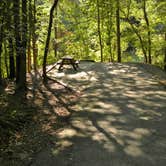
75	68
73	64
61	65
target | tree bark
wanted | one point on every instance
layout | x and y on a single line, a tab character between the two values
6	58
144	50
16	13
29	36
118	32
0	62
29	54
99	31
1	41
109	27
1	33
48	39
21	85
11	59
165	54
34	37
141	42
55	34
149	32
10	41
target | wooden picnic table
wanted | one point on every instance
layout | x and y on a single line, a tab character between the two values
68	60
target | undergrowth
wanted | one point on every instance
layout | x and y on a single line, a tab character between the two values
15	113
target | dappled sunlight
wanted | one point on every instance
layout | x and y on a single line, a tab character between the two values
67	133
120	113
61	145
115	72
124	98
134	151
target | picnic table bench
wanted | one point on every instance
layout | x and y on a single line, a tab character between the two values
67	60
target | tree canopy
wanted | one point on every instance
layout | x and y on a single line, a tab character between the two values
102	30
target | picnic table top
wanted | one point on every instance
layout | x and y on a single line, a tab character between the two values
67	57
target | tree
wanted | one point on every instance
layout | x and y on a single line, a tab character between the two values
17	34
22	70
1	36
48	39
118	31
20	23
34	36
148	29
99	30
10	37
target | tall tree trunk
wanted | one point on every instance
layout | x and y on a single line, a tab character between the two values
29	35
99	31
48	39
118	32
10	41
149	32
141	42
22	72
109	30
165	53
34	37
55	33
29	54
1	40
6	58
0	53
143	47
0	61
21	40
16	13
11	59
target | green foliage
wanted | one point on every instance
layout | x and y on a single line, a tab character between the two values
77	30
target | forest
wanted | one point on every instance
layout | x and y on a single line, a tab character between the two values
35	33
116	98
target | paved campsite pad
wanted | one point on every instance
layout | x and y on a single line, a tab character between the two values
119	119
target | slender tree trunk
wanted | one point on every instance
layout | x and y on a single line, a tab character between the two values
165	54
109	26
34	37
118	32
6	58
0	62
16	13
99	31
136	32
21	83
1	36
22	73
29	35
48	39
141	41
29	54
10	41
149	32
1	41
55	33
109	42
11	59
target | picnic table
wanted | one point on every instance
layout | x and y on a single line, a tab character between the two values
68	60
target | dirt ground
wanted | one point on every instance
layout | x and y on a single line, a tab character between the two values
117	117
